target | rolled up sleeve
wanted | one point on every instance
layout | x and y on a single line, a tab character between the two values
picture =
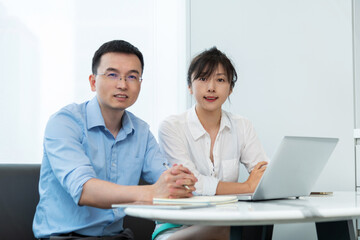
63	144
252	152
206	185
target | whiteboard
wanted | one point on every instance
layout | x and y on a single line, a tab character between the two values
294	62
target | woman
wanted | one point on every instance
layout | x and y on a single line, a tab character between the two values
210	141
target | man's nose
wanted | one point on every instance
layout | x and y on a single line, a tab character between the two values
121	83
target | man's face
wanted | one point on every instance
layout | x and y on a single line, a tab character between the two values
114	94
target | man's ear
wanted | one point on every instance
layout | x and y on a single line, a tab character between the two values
92	81
230	92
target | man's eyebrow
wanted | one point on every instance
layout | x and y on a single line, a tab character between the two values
110	69
134	71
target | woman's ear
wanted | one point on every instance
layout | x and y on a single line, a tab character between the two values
190	89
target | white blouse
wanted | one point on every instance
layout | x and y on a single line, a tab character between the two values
183	140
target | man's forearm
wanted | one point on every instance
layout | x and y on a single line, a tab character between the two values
101	194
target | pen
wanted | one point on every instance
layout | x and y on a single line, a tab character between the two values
321	193
167	167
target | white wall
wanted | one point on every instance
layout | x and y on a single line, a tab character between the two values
46	48
294	61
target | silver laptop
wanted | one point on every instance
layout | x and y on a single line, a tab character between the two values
294	168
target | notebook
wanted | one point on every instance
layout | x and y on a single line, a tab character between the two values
181	203
160	206
294	168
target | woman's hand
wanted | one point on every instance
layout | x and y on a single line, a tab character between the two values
256	175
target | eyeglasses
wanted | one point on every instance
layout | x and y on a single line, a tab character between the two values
113	76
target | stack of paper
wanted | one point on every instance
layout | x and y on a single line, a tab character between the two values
197	200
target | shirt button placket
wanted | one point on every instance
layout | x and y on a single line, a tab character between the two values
113	164
215	155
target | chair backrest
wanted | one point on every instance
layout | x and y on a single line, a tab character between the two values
19	197
142	228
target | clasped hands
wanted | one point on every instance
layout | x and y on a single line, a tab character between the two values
172	183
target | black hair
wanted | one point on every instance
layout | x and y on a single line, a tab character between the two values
119	46
204	64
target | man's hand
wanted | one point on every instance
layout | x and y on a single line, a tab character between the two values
172	183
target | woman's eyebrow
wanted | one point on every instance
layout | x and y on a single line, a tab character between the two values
221	74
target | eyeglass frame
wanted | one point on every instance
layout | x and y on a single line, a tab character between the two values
125	79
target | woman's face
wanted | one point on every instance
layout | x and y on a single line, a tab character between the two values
210	93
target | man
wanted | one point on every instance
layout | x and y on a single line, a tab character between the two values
96	152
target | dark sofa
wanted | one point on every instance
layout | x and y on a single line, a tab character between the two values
19	197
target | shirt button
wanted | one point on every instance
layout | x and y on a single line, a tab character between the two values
114	165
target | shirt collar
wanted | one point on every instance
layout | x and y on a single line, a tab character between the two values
225	121
127	124
196	128
95	118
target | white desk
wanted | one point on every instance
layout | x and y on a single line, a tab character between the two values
331	213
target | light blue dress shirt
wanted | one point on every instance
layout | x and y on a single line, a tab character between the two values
78	147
